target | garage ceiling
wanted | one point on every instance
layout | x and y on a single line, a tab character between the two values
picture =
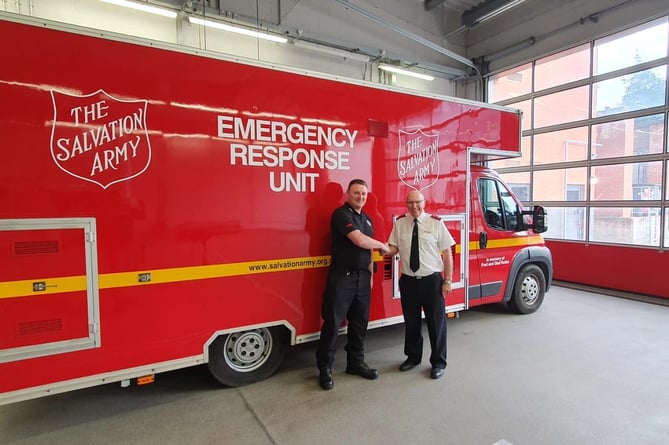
273	11
412	19
459	6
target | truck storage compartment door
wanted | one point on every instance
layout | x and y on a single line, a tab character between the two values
48	287
457	300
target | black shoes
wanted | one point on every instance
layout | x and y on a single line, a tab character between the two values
325	379
407	365
363	370
437	373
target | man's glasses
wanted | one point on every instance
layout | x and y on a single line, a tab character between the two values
414	202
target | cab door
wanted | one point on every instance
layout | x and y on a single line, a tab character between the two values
494	239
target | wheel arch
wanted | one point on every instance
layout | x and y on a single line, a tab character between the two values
283	323
537	255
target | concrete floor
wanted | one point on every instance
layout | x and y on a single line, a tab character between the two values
585	369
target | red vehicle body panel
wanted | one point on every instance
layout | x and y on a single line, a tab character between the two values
209	214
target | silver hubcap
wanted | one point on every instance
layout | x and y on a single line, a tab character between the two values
529	291
248	350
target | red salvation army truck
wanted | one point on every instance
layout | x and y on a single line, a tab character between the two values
164	209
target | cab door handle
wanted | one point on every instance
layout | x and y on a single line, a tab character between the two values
483	240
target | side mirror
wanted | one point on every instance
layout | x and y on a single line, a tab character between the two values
539	219
520	220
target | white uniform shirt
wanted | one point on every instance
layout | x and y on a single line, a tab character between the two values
433	238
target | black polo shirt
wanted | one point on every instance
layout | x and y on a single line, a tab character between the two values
345	254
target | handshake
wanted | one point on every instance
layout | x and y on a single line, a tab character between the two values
384	249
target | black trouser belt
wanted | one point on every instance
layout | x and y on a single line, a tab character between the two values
348	271
426	276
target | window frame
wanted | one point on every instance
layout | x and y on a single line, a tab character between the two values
593	120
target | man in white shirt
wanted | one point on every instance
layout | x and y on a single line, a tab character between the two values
424	246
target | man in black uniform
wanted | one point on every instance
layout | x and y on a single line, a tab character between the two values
349	286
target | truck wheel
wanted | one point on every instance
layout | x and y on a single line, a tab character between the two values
528	291
247	357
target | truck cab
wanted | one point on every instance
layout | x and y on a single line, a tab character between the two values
507	258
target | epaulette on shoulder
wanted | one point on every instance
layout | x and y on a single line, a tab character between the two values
435	217
400	217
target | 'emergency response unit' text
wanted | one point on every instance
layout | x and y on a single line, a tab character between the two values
281	146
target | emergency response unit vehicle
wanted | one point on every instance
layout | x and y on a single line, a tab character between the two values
164	209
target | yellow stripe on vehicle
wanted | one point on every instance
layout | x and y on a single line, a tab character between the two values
57	285
509	242
24	288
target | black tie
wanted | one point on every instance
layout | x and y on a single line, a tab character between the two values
414	260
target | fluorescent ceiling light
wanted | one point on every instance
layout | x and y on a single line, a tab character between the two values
394	69
487	10
323	49
143	7
237	29
500	10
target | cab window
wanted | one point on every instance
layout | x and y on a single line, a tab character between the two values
499	208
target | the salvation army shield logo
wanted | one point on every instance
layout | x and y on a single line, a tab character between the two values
99	138
418	158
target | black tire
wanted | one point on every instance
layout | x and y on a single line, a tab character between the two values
528	290
246	357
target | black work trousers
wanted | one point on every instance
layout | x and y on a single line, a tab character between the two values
425	294
346	296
